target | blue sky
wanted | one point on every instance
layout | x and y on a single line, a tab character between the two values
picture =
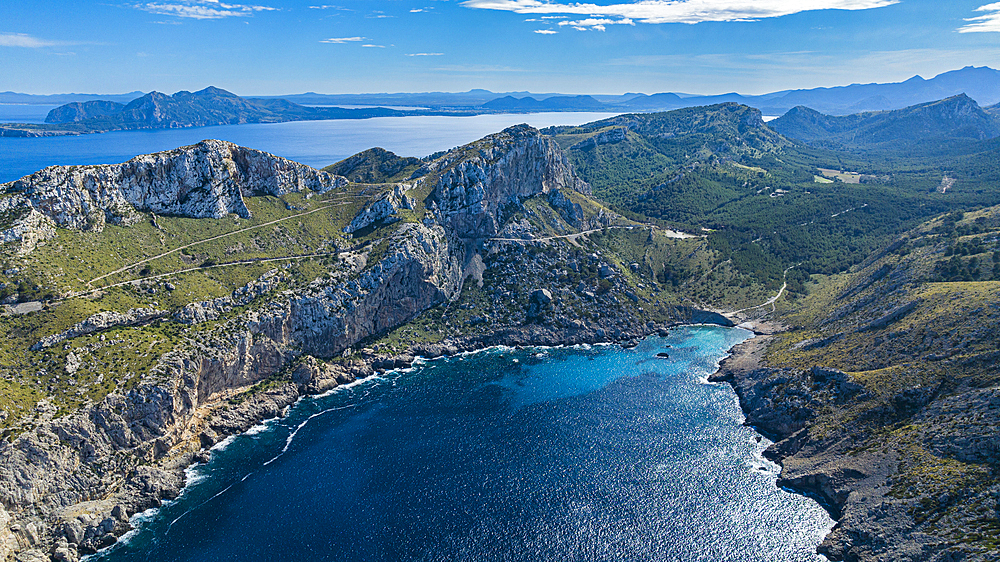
262	47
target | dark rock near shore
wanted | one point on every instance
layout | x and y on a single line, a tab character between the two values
539	303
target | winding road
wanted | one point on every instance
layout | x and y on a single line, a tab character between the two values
774	299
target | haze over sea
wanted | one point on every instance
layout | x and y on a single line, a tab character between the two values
535	454
316	143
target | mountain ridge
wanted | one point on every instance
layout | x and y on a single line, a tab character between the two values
957	117
979	83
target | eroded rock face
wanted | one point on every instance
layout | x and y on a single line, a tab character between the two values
100	322
20	221
8	543
374	212
475	189
130	435
208	179
539	303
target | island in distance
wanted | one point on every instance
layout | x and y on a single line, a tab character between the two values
215	106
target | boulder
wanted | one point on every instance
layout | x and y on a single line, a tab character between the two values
539	303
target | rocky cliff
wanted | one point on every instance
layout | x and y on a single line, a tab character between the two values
68	485
209	179
479	184
883	400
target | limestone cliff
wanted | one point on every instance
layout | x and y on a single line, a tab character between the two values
68	485
477	184
208	179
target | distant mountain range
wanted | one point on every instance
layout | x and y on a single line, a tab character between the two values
981	84
211	106
954	118
84	113
58	99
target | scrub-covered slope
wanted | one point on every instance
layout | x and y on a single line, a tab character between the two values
884	395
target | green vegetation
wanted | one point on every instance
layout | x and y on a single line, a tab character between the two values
922	348
375	165
759	194
161	263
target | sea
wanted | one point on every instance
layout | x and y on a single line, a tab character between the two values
315	143
535	454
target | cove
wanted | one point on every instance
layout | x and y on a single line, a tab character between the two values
594	453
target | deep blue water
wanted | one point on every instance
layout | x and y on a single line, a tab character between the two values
316	143
536	454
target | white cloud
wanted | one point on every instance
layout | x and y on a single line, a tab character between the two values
202	9
23	40
375	46
985	23
341	40
596	23
679	11
424	54
546	31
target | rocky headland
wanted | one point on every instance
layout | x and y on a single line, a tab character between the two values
878	394
70	480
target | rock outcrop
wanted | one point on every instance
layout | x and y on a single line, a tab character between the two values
19	221
100	322
477	183
374	212
539	303
206	311
208	179
610	136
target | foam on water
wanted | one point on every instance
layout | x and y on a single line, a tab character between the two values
593	453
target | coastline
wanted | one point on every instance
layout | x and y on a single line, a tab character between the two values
853	486
230	421
512	338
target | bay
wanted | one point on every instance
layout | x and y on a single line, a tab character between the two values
315	143
554	454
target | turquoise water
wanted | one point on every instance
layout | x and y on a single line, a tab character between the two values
536	454
316	143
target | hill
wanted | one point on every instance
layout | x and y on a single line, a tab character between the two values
882	395
554	103
211	106
957	117
156	306
375	165
765	199
981	84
